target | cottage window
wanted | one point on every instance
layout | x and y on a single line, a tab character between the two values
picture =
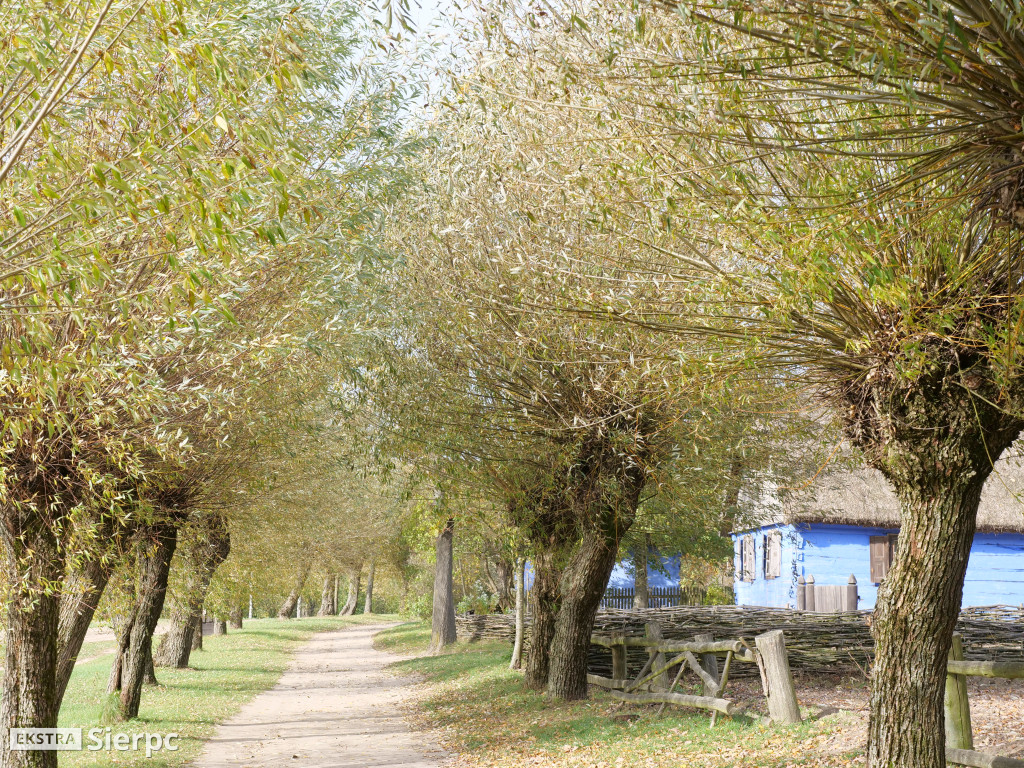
882	553
773	555
747	558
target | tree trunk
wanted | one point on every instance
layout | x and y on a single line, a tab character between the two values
442	629
582	586
936	445
288	606
235	618
640	595
208	550
149	675
368	602
918	605
220	627
354	577
77	608
197	632
135	644
327	596
517	649
33	618
545	604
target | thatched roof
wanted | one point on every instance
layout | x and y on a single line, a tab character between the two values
863	497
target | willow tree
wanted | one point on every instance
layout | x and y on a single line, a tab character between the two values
148	226
568	418
845	178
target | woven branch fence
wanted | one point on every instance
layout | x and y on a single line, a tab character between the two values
817	642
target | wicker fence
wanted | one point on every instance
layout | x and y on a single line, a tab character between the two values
817	642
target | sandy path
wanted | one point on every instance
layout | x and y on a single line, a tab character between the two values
334	707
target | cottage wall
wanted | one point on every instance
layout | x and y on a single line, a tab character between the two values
832	552
995	571
778	592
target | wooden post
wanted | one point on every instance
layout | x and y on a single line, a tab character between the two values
653	632
851	594
958	708
619	671
776	677
810	601
801	594
709	663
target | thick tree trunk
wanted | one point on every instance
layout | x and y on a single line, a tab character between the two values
135	644
546	600
288	607
33	617
936	443
913	624
368	602
176	646
640	596
220	627
208	550
354	577
582	586
77	608
235	618
327	596
442	624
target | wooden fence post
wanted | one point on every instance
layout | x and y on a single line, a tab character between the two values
619	671
653	631
810	602
801	594
709	663
851	593
776	677
958	708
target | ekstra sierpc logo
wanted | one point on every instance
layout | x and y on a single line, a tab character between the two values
96	739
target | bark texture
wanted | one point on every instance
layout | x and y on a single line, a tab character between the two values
136	639
33	616
442	624
546	600
235	618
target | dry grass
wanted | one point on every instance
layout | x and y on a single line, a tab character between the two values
487	717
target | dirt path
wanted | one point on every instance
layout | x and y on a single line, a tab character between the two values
334	707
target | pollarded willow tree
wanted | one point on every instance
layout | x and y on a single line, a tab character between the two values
845	178
564	416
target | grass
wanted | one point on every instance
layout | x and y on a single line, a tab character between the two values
228	672
486	715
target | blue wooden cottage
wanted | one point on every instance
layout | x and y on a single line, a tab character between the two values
847	523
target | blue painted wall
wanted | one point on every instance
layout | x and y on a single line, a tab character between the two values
995	571
623	577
